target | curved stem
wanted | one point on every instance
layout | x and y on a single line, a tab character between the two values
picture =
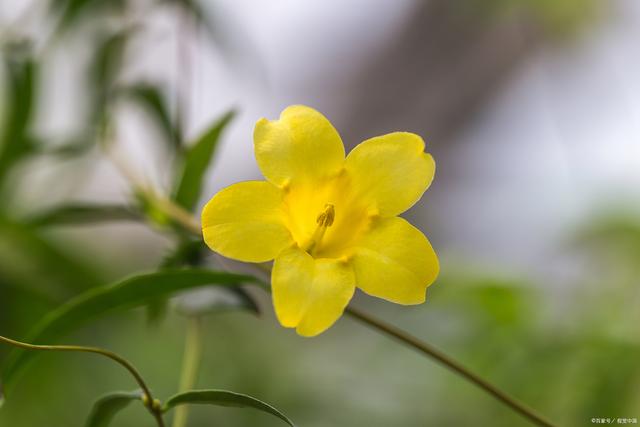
154	408
449	363
190	367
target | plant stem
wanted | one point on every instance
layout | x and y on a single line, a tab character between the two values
153	408
190	366
449	363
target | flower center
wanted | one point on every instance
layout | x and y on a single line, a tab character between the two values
324	221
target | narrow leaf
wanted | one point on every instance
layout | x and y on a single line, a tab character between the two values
77	214
192	253
26	256
71	11
133	292
106	408
153	101
189	252
21	93
223	398
196	163
108	59
104	68
201	302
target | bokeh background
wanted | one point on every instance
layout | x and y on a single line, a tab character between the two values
531	109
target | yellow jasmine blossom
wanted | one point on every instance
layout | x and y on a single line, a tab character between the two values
329	222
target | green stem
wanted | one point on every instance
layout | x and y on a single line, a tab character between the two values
190	367
413	342
151	404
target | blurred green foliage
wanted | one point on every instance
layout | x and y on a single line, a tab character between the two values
21	92
557	18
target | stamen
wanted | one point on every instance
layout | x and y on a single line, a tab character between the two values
324	220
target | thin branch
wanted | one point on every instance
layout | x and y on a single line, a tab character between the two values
190	366
424	348
151	404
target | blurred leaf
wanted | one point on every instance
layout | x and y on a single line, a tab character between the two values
613	241
72	10
124	295
502	302
70	149
610	376
21	94
223	398
157	310
79	214
558	18
108	57
189	252
31	258
20	303
199	302
505	304
151	98
104	68
206	301
106	408
616	229
197	160
564	17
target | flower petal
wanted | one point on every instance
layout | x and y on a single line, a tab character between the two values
245	222
310	294
391	171
395	261
302	146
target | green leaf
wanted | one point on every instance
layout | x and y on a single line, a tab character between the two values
77	214
27	257
206	301
106	408
104	68
21	93
72	10
108	58
196	163
188	252
198	302
223	398
129	293
152	99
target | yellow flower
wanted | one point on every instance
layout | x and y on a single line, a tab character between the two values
329	222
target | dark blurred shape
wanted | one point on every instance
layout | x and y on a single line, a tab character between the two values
79	214
71	12
153	99
16	142
440	70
